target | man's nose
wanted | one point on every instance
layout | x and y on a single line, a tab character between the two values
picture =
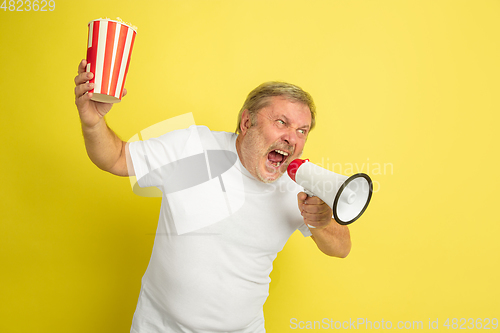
290	136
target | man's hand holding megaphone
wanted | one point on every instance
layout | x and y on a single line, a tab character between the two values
331	238
316	213
329	203
347	197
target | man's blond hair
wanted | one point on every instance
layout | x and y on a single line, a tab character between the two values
261	96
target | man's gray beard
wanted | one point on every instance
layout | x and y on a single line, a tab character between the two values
252	140
270	181
266	180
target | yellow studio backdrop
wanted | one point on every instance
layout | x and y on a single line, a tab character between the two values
406	91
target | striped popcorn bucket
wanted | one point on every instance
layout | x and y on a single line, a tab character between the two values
108	57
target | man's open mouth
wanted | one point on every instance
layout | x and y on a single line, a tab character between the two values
277	157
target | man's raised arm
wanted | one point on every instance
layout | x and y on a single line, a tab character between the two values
104	147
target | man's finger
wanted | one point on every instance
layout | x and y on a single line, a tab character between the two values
316	218
314	201
82	66
83	77
316	209
81	89
81	100
301	196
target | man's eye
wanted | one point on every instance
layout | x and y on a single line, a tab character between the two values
281	122
301	131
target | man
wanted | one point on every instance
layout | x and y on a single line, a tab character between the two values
216	277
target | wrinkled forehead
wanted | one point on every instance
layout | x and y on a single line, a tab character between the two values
278	107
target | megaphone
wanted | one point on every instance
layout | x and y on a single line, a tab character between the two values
348	197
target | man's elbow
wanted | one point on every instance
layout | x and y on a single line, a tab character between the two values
122	166
339	252
344	253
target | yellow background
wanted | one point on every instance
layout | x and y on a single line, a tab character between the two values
409	85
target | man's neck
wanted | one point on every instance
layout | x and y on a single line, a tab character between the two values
239	139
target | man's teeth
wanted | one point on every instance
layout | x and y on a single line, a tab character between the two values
281	152
284	153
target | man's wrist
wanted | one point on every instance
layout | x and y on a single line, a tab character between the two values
94	128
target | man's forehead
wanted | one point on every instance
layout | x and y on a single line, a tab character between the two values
294	111
299	123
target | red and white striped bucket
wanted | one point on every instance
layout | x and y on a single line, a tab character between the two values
108	57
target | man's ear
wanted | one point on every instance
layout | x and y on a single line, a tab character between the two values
246	122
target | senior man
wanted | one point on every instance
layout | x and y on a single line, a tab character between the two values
215	278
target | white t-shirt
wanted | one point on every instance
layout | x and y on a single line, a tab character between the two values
217	235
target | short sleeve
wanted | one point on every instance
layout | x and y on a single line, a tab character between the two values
151	158
305	230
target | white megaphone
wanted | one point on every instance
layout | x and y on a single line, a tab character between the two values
348	197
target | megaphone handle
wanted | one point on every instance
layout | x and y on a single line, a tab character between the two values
309	194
